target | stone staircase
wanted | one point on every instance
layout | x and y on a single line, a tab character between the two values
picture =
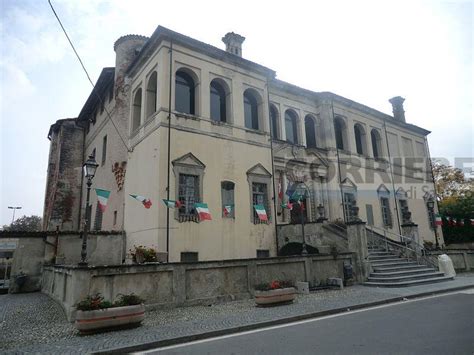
389	270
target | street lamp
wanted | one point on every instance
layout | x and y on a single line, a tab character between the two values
430	205
301	192
14	208
89	167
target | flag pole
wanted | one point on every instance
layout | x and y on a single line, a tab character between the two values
169	156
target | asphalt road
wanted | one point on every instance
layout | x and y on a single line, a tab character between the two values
436	325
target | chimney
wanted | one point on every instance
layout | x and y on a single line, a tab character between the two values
397	108
233	43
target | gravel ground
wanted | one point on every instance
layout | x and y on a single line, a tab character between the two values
33	323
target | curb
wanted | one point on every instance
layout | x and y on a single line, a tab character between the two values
243	328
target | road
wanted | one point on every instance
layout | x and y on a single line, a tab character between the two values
435	325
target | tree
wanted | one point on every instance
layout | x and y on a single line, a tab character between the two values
451	182
25	224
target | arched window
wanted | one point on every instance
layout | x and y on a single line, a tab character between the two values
273	122
184	93
376	143
218	102
291	126
137	110
310	129
151	95
340	131
250	110
359	134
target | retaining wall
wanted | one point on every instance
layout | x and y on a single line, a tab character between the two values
178	284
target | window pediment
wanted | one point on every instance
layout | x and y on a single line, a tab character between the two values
259	170
189	160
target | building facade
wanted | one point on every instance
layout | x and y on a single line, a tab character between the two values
177	117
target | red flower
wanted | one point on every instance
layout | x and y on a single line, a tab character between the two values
274	285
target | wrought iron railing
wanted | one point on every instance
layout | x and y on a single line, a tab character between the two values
405	246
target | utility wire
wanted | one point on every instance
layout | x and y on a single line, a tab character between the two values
88	77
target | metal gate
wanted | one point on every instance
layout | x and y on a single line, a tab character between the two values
7	248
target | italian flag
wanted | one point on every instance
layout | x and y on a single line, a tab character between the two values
438	220
102	198
172	203
146	201
227	210
262	215
203	211
288	205
461	222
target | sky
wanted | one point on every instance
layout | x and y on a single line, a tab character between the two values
368	51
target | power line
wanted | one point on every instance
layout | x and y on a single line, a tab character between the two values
102	103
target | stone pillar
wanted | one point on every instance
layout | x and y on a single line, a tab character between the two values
357	240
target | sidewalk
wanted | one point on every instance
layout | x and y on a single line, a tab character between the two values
33	323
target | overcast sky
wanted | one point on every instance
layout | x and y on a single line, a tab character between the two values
365	51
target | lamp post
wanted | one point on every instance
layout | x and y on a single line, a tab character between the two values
301	192
89	167
14	208
430	205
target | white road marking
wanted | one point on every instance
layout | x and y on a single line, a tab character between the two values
156	350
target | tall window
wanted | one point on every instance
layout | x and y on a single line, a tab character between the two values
227	192
386	213
184	93
349	205
376	143
339	130
310	129
151	95
98	218
104	149
188	193
359	138
260	197
218	102
291	127
250	110
273	122
137	110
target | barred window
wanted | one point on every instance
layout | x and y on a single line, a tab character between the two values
349	204
188	194
260	197
227	192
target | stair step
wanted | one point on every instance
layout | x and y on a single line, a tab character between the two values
399	262
386	260
382	257
406	277
379	253
399	268
402	273
409	282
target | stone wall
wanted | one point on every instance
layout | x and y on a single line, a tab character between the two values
463	260
178	284
36	249
318	235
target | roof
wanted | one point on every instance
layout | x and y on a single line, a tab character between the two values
162	33
105	78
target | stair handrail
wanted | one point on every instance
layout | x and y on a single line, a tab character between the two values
386	242
417	249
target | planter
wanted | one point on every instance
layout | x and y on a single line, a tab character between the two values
109	318
274	297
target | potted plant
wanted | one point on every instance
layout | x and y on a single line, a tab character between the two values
275	292
142	254
95	314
